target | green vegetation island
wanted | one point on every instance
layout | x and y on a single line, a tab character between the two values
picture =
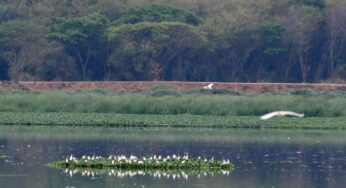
132	162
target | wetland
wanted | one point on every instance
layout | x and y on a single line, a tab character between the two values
261	158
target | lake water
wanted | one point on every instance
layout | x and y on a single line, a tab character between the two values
262	158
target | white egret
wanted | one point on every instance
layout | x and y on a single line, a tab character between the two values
209	87
280	113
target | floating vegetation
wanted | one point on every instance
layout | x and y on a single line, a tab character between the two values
147	120
169	165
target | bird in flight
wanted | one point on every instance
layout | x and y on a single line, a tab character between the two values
209	87
280	113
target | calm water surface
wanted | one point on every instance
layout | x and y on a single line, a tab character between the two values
262	158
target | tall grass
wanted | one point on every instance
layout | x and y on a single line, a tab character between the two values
150	102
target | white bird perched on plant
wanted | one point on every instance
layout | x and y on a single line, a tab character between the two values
209	87
280	113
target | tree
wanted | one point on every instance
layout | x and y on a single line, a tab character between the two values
302	23
143	50
21	46
158	13
336	34
272	45
233	28
272	34
314	3
83	38
202	40
6	14
146	39
3	69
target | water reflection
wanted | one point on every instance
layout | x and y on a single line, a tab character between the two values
262	158
156	174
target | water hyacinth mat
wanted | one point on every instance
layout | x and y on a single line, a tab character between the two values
156	166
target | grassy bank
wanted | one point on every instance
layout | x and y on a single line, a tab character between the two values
166	100
147	120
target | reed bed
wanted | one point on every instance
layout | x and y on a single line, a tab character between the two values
171	101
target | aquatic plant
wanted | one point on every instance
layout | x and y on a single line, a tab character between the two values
169	163
147	120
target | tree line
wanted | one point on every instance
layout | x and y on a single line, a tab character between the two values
186	40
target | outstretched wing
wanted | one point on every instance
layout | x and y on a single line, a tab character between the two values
281	113
209	86
289	113
269	115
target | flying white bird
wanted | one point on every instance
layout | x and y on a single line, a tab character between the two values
209	87
280	113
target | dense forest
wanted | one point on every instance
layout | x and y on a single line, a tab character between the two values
186	40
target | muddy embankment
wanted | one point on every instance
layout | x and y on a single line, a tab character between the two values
142	85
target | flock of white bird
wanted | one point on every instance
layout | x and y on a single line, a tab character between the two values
269	115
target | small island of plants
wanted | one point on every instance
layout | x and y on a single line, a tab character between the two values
122	162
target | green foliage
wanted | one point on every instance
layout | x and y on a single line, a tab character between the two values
13	32
158	13
145	49
82	37
141	31
273	34
170	101
315	3
156	32
82	31
273	29
6	14
247	41
160	90
147	120
143	163
17	41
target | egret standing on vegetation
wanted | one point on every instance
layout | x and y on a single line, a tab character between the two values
209	87
280	113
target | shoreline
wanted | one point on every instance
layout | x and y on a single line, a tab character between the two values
180	85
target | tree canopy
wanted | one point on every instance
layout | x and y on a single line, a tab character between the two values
151	46
158	12
82	37
187	40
